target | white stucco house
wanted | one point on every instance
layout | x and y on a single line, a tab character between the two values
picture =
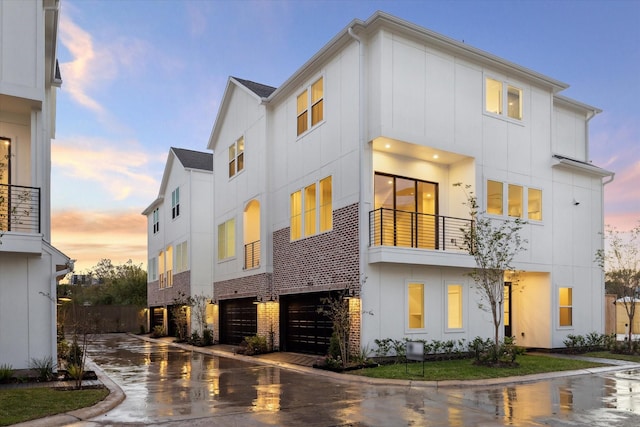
341	179
180	235
29	265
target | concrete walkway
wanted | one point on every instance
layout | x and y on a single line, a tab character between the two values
303	364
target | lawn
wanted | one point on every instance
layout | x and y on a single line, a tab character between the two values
23	404
609	355
464	369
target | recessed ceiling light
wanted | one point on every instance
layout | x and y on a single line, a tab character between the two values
435	156
387	145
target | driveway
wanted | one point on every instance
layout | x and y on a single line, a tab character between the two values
167	385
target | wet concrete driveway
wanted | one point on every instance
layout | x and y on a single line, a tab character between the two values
171	386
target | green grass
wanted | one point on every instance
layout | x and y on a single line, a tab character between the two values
465	369
23	404
609	355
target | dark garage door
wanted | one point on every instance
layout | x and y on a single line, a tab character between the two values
238	319
304	330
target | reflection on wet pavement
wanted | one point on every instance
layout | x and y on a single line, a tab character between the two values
168	386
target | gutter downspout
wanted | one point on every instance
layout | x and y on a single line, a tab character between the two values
361	169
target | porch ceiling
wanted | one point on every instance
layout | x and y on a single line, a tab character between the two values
430	154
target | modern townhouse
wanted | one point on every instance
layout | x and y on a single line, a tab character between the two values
30	266
340	183
180	236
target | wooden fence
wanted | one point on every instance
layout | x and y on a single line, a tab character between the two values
103	319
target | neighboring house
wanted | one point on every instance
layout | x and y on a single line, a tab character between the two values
29	266
180	236
341	180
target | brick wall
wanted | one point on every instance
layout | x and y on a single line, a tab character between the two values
243	287
160	297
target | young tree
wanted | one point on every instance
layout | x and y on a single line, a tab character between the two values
493	244
621	263
337	309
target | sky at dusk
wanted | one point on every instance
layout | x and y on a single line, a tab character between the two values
140	76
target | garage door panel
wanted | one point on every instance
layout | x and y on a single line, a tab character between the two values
238	319
306	330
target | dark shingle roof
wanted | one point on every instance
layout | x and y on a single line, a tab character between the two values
194	159
263	91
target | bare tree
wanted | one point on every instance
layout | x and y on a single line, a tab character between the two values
493	244
620	261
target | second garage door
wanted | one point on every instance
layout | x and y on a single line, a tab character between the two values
238	319
304	329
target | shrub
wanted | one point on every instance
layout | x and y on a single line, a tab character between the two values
334	347
255	345
158	331
63	350
6	372
44	367
75	353
207	336
384	347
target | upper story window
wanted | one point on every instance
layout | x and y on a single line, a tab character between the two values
227	239
236	157
156	220
175	203
182	257
312	96
498	94
152	269
312	209
515	201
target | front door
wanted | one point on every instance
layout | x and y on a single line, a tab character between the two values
507	309
5	180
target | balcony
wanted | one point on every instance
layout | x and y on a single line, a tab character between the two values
413	237
252	255
19	209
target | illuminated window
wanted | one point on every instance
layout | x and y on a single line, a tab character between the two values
168	267
565	302
326	210
415	304
313	96
494	197
454	306
495	91
162	282
227	239
182	257
175	203
311	210
534	203
515	201
156	220
236	157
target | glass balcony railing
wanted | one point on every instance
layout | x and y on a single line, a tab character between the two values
389	227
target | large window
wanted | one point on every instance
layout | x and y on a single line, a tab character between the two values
175	203
312	96
517	196
565	303
182	257
227	239
454	306
306	218
415	305
155	220
236	157
152	269
495	99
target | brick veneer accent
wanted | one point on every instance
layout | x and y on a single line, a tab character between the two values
243	287
162	297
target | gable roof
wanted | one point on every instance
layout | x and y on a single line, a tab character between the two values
191	159
263	91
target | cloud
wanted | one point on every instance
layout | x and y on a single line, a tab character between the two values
89	236
121	171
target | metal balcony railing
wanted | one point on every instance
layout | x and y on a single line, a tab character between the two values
252	255
389	227
20	208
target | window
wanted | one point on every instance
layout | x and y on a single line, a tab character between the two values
326	210
156	220
515	201
236	157
534	204
182	257
494	197
175	203
306	222
454	307
227	239
168	268
415	305
161	274
152	269
313	96
494	98
565	302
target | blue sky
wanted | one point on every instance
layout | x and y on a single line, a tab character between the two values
140	76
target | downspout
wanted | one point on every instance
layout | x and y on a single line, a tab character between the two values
361	179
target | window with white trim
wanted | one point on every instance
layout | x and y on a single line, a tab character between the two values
514	205
565	307
415	305
182	257
227	239
311	209
155	219
454	306
312	96
236	157
175	203
152	269
497	94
